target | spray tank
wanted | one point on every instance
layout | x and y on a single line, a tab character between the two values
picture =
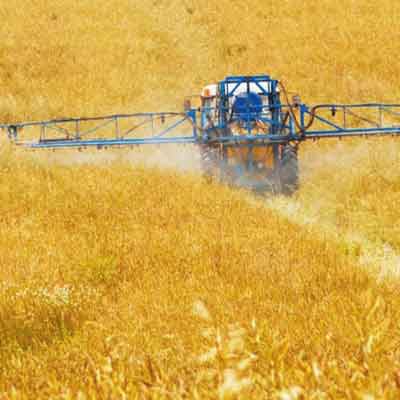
247	106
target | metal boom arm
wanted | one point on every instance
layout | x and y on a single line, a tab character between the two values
352	120
280	123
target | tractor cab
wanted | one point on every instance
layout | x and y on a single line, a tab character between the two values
240	106
208	105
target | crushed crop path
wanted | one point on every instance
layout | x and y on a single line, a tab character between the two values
383	260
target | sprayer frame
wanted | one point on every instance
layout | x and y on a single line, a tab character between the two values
282	130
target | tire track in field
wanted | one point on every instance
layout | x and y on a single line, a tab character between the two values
382	260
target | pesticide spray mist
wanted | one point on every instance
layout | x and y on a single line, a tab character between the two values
330	201
339	200
184	159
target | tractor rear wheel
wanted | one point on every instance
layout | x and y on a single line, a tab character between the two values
209	159
289	170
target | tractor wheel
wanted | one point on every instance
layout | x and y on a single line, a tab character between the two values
289	170
209	161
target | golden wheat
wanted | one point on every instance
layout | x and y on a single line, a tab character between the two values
103	264
122	280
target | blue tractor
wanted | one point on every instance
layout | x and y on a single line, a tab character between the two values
246	128
241	118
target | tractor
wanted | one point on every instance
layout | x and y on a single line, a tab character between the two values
232	111
246	129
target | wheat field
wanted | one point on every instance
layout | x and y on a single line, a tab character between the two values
125	275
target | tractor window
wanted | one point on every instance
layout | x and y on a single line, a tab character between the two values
208	105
